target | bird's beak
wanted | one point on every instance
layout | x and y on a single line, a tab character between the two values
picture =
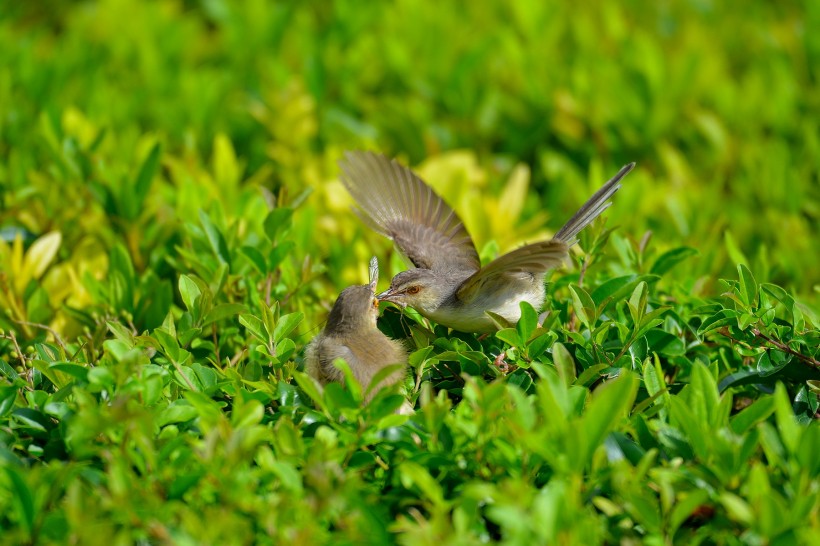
384	296
388	295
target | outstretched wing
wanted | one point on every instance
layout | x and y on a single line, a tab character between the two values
593	208
398	204
535	259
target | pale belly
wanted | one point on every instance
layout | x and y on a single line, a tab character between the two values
473	318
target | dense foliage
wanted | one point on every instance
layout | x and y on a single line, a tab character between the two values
172	234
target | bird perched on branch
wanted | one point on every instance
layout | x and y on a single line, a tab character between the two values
449	285
351	335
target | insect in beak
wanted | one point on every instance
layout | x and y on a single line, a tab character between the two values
388	295
374	273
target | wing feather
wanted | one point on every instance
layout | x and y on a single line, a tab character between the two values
535	259
398	204
595	205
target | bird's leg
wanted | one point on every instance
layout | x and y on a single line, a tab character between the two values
501	364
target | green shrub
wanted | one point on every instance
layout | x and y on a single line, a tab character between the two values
172	235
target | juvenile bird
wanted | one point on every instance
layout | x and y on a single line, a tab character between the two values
351	334
448	285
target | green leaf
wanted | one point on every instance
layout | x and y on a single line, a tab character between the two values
256	258
309	386
247	414
255	326
351	382
290	477
380	376
759	411
221	312
207	409
190	293
609	404
637	303
215	238
684	507
277	221
286	324
703	395
591	374
142	183
414	475
656	384
726	317
279	253
733	249
564	364
8	371
510	336
22	500
671	258
169	344
528	321
74	370
788	301
8	396
583	305
40	255
176	413
618	288
786	421
226	168
748	286
32	419
695	428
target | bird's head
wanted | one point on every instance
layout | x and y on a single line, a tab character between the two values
421	289
356	308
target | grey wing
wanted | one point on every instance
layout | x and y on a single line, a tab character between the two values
535	259
398	204
593	208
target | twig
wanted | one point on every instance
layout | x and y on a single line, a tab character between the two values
216	344
20	354
786	349
268	282
237	357
185	377
584	265
22	357
779	345
48	329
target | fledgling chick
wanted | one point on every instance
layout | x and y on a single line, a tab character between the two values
351	334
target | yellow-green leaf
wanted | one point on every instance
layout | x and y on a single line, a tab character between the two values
39	257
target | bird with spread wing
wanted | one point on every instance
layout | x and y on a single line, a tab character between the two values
448	285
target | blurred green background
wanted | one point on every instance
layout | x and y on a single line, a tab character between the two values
173	232
514	109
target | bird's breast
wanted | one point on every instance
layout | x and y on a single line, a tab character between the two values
505	301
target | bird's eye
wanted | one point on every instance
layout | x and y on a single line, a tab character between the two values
413	290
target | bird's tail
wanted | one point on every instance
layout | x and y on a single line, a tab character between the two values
593	208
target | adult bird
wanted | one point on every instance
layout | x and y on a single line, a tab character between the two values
448	285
